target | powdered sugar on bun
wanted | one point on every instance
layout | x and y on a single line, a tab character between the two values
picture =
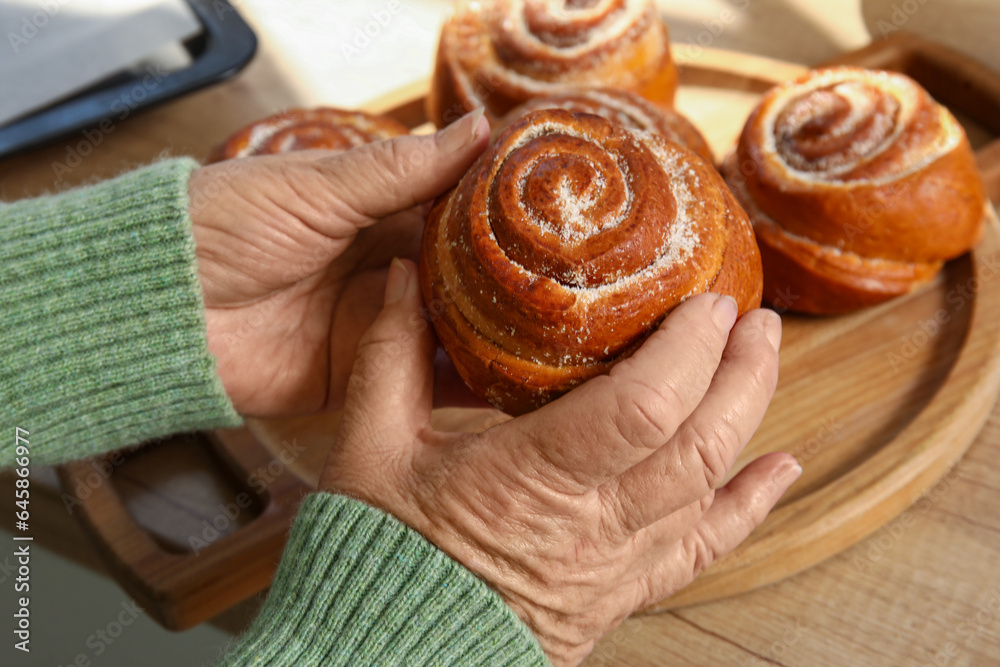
499	53
859	186
870	117
567	243
302	129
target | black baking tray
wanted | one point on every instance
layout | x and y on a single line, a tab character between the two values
223	47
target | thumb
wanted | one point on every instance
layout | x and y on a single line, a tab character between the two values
391	385
379	179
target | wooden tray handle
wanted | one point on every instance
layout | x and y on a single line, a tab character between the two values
181	589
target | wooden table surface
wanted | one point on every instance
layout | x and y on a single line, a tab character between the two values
924	590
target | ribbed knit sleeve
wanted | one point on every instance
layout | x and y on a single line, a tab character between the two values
102	325
358	587
103	344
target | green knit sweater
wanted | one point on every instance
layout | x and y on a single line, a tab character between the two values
103	344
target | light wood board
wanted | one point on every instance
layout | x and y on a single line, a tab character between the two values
872	432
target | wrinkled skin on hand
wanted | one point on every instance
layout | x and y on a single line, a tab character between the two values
293	252
598	504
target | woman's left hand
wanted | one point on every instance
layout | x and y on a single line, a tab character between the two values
293	252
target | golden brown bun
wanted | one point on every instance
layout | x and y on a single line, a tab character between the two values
500	53
303	129
566	244
859	186
623	107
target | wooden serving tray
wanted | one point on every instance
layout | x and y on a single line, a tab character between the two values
877	405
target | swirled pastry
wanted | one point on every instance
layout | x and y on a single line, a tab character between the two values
859	187
623	107
500	53
566	244
302	129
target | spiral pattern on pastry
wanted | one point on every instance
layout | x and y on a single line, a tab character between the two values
623	107
859	186
566	244
500	53
303	129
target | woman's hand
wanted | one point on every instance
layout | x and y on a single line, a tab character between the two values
293	252
602	502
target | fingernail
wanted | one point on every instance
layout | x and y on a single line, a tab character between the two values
461	133
772	328
396	282
724	312
787	474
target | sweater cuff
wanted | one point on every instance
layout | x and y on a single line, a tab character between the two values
103	336
358	587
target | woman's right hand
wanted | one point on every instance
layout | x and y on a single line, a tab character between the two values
605	501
